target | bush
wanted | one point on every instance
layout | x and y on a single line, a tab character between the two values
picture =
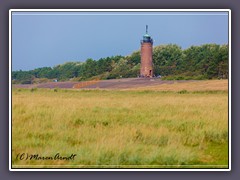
55	90
183	92
33	89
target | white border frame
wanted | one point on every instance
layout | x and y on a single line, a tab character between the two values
117	10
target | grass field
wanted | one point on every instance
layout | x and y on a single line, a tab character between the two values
121	129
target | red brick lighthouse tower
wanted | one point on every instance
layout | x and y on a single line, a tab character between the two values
146	55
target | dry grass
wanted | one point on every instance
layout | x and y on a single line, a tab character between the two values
121	128
205	85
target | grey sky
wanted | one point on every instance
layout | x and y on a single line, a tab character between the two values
41	39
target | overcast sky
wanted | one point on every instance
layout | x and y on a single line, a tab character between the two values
41	39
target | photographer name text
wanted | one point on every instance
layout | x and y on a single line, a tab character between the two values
33	157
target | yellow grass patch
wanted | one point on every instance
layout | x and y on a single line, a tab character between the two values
205	85
121	128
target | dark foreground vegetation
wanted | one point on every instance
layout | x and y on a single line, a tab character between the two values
208	61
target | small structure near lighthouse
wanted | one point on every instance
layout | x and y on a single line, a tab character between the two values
146	55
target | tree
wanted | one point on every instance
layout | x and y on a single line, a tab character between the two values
166	59
207	61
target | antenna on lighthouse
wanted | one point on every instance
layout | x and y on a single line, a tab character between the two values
146	29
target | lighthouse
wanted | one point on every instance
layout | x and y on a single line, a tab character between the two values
146	55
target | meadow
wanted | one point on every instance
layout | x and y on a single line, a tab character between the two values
121	129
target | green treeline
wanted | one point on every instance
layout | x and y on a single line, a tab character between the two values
208	61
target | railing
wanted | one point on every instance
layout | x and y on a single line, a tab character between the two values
146	41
